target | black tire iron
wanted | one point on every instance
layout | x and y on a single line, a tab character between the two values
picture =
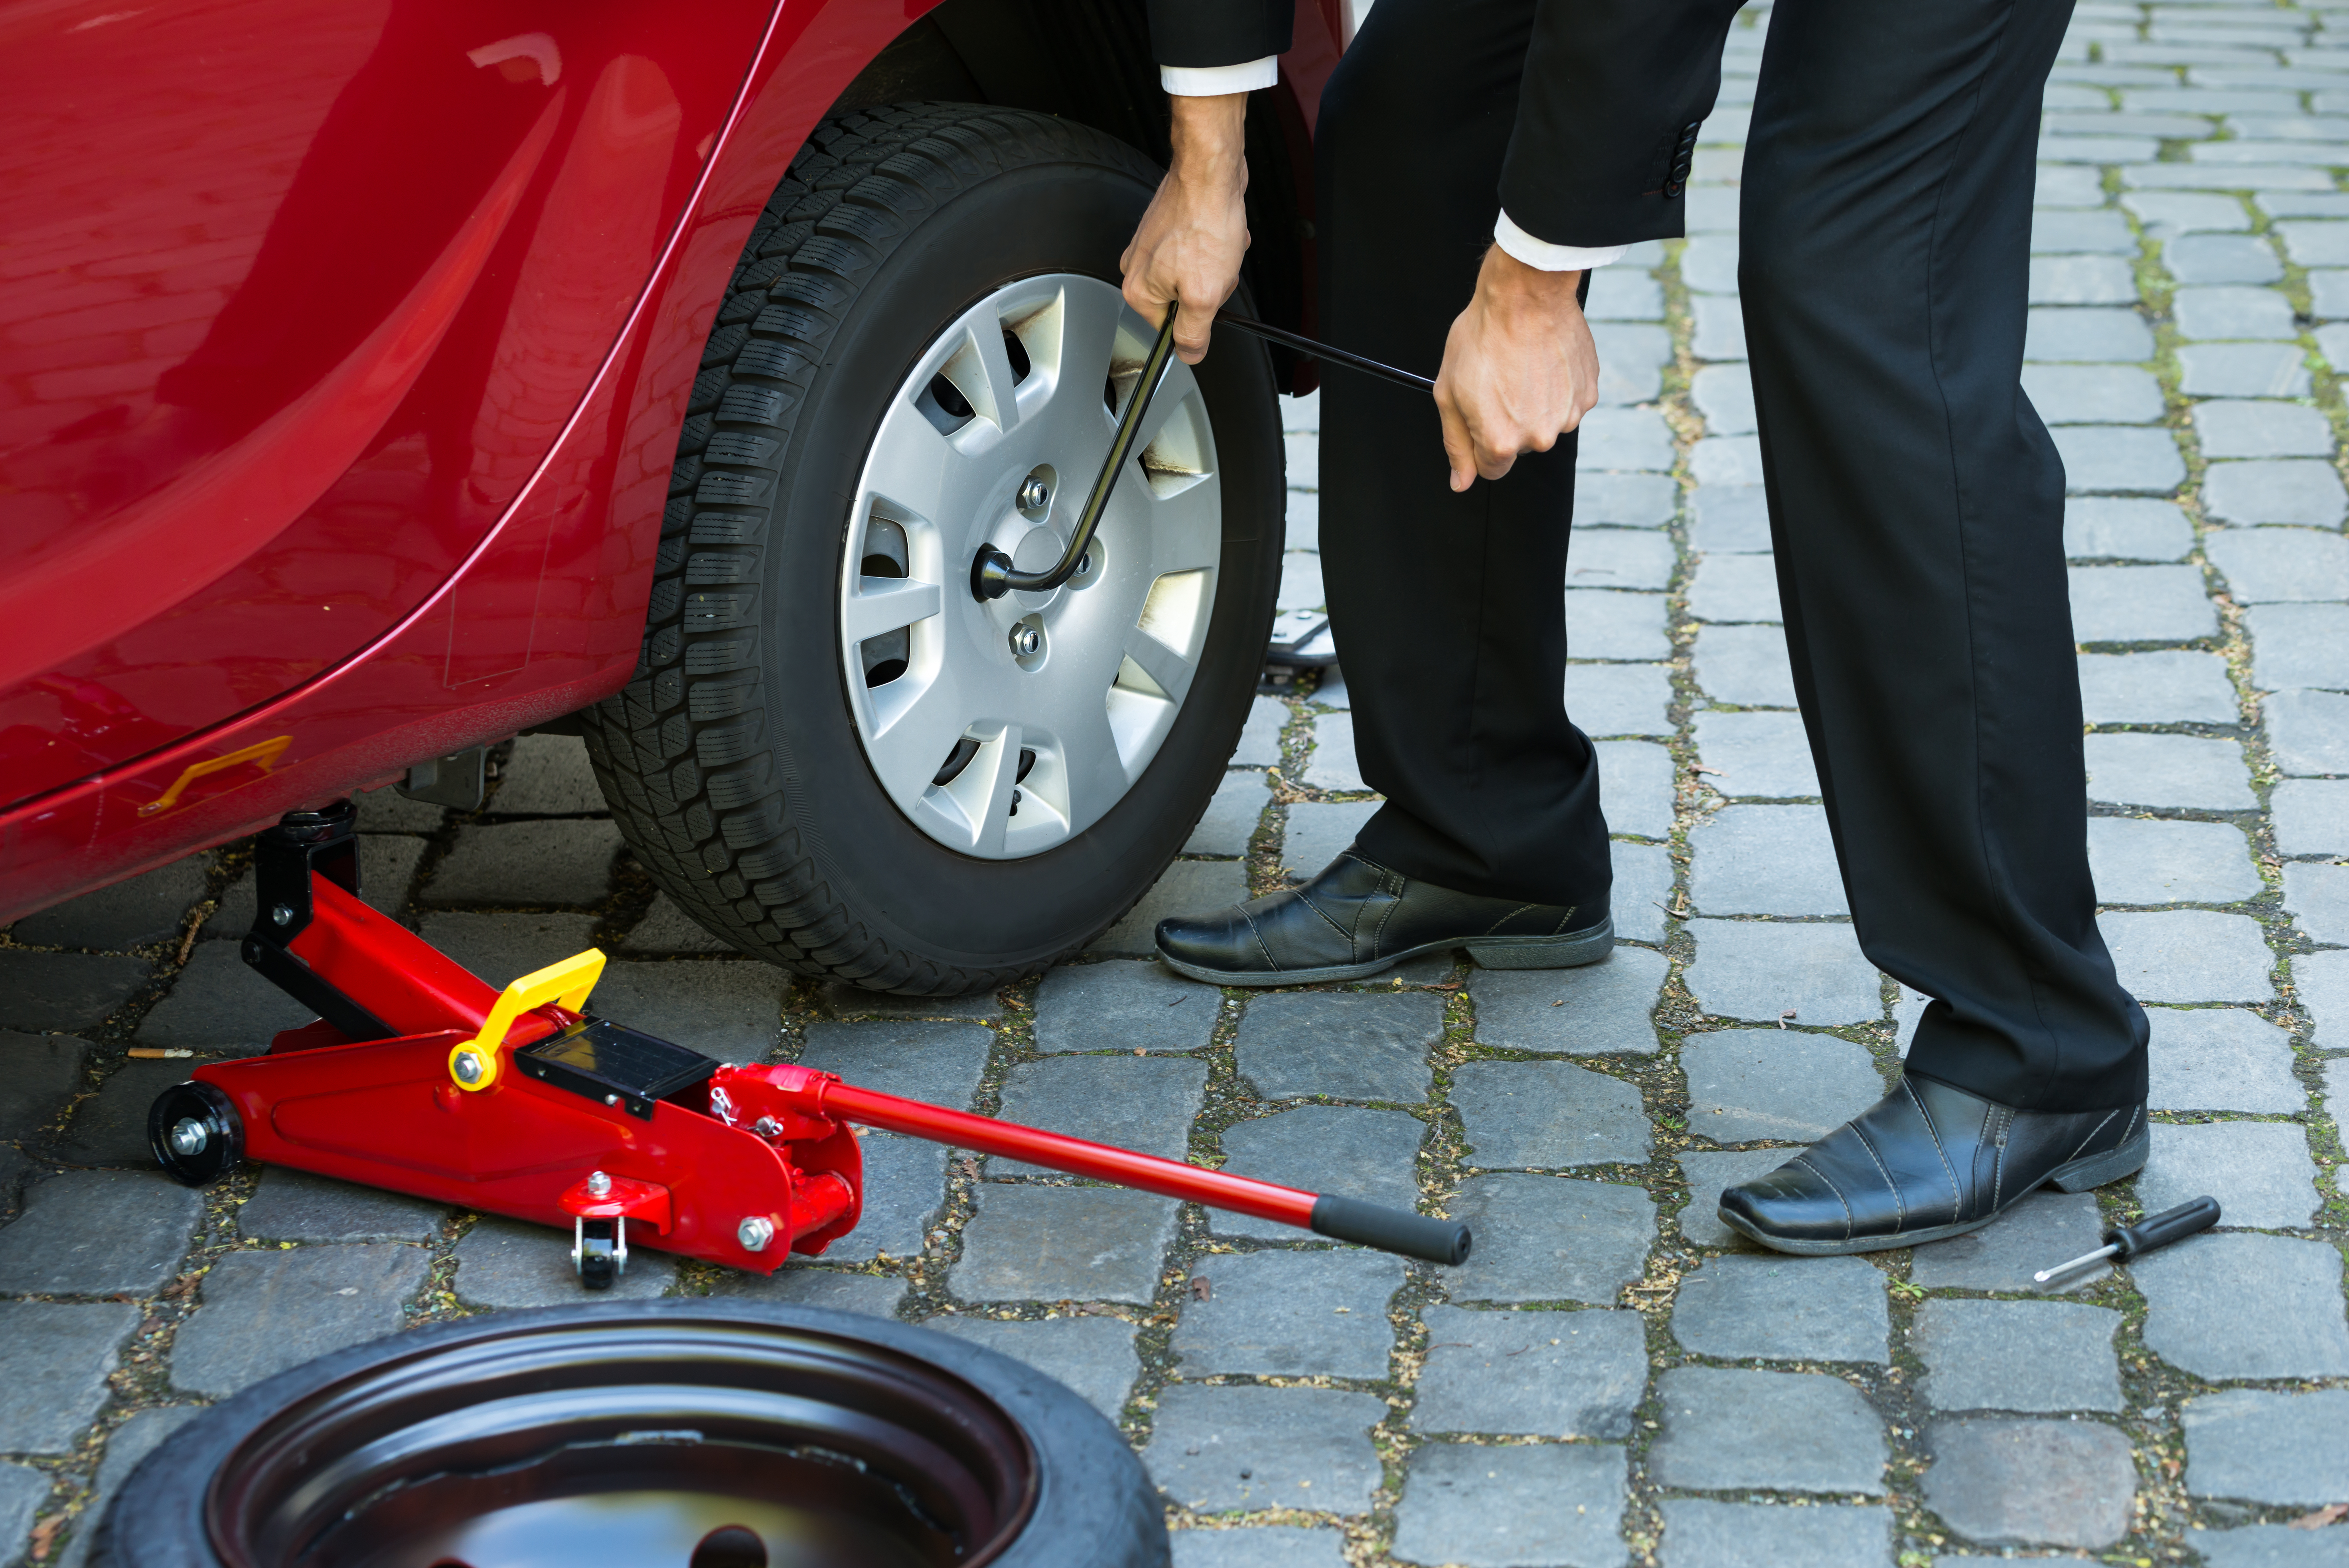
2123	1242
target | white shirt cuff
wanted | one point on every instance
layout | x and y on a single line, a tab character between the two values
1215	81
1544	256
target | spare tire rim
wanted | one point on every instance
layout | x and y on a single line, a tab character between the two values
1004	728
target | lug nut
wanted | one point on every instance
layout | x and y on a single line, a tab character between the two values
755	1233
189	1138
598	1184
1033	494
1027	641
469	1067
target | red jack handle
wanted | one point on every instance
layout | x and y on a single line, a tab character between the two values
1340	1218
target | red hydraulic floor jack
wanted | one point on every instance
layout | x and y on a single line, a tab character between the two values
421	1078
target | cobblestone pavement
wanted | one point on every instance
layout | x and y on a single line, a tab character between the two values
1611	1378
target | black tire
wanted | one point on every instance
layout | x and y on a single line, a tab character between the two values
310	1449
731	761
210	1108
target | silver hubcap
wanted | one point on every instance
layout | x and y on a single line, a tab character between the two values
1003	728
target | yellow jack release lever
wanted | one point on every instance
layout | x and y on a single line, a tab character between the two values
473	1064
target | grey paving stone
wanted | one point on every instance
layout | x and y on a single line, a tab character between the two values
1601	1009
109	1128
1300	581
2260	428
1761	970
1730	519
2033	1358
1091	1356
1631	356
386	810
1365	1154
503	948
2227	1305
1635	787
507	1264
1547	1116
1758	755
1610	623
2257	179
22	1491
1643	890
128	1444
1736	589
2059	233
2221	1059
1765	861
1239	1448
2096	336
538	863
1185	888
131	914
2299	645
1144	1103
1345	1045
2062	1483
2281	489
547	775
1619	698
2318	897
1232	815
1259	746
904	1189
1318	832
2140	604
2233	312
1618	293
1299	1314
839	1290
935	1062
2082	280
2188	955
2221	258
731	1009
2308	732
2311	817
1747	665
665	929
2118	460
1498	1507
55	1358
1784	1085
2259	1172
2264	565
2160	686
1626	500
1702	1534
98	1233
2093	394
1709	265
2044	1228
1123	1005
1724	394
1534	1373
2243	370
1620	558
2285	1449
1262	1546
2317	244
221	1004
1621	437
38	1075
1720	330
41	993
1063	1243
1784	1309
1707	1175
1727	1427
842	1000
2323	980
2328	297
1331	765
2168	769
295	1206
265	1312
2266	1546
1552	1238
2139	861
2167	213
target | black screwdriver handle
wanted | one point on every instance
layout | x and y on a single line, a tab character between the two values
1390	1229
2160	1229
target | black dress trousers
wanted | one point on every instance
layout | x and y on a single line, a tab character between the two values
1915	502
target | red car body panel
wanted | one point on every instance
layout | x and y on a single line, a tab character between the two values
271	541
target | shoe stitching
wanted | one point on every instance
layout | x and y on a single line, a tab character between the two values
1998	1169
1900	1199
2092	1137
1512	915
1850	1220
1306	900
1957	1194
1273	962
1377	937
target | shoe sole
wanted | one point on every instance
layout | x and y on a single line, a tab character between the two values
1571	950
2079	1176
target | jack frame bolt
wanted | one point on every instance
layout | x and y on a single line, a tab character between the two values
1026	640
469	1067
1034	494
598	1184
282	915
755	1233
189	1138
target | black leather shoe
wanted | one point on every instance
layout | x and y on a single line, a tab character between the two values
1358	918
1929	1161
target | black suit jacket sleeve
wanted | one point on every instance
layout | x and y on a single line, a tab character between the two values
1607	118
1200	33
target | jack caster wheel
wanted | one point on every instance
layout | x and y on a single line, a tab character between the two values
195	1133
598	1257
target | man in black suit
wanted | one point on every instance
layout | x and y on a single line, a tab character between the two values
1475	159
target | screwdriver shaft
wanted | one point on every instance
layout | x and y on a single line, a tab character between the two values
2081	1262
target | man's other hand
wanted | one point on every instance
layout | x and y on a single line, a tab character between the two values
1192	239
1519	368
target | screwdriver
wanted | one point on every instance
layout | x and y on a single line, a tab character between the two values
2126	1242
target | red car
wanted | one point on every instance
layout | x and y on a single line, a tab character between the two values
378	380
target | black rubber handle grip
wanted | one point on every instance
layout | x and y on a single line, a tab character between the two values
2155	1230
1390	1229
